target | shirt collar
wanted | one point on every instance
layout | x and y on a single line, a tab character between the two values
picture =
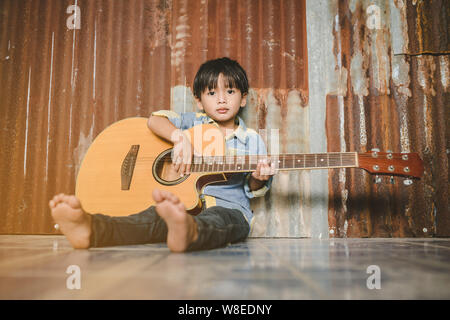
240	133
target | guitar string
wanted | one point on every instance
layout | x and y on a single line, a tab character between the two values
254	160
290	164
286	157
299	158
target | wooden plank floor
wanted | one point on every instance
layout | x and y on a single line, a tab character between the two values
34	267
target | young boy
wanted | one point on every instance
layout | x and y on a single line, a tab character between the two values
220	88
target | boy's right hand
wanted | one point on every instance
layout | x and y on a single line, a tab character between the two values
182	152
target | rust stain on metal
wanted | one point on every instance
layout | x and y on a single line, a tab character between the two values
393	117
428	26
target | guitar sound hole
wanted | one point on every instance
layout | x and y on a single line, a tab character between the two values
163	170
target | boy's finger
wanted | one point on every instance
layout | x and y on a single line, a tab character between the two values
181	170
265	170
176	155
176	164
184	169
261	165
273	169
187	159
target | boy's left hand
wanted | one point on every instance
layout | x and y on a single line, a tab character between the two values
264	170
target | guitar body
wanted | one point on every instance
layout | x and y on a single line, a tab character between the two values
126	162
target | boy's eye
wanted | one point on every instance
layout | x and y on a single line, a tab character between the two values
211	93
230	91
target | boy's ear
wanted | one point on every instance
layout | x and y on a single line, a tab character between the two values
199	103
244	100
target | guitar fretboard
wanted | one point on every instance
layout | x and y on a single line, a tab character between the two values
283	162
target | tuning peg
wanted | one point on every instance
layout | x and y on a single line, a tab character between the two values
407	182
377	179
375	152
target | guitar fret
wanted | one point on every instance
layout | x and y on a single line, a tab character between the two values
295	161
239	163
230	161
321	161
253	159
309	162
218	164
210	165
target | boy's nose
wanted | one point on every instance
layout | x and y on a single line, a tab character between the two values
221	97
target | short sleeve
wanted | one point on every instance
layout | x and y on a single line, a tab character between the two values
172	116
183	121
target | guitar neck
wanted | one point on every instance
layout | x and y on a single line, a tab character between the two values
296	161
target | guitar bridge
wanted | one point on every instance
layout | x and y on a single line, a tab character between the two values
128	164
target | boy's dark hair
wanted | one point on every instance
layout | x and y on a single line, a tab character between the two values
209	72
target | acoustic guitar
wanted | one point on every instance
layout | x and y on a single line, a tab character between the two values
127	161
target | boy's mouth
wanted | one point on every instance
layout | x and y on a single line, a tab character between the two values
222	110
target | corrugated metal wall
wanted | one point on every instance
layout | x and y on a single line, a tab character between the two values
320	72
394	95
60	87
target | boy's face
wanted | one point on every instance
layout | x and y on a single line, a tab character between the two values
222	104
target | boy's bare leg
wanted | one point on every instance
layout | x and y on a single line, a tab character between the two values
182	228
73	221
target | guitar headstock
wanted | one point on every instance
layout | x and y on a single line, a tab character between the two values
400	164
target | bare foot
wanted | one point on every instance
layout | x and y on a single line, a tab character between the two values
182	226
73	222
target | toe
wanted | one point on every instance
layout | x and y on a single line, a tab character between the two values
173	198
181	206
166	195
73	201
157	195
56	199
